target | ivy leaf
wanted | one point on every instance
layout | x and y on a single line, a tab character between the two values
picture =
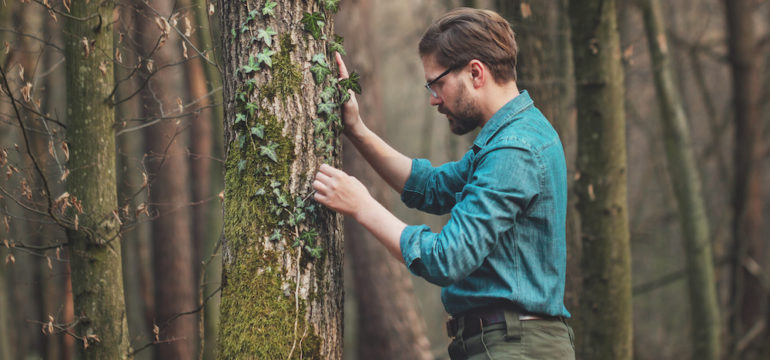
352	83
319	143
320	59
260	192
266	35
251	84
240	118
334	119
251	107
269	151
331	5
241	140
319	125
252	66
326	107
241	166
328	93
265	58
315	252
320	72
313	23
336	45
252	15
274	184
269	8
259	131
275	236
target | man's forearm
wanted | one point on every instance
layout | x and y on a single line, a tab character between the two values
390	164
385	226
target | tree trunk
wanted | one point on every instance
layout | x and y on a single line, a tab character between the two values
211	121
380	334
606	309
683	172
747	294
97	282
278	301
172	246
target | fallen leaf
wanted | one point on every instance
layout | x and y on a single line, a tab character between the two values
26	90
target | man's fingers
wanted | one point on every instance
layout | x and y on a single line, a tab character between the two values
341	65
322	177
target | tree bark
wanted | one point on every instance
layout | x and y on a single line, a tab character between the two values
278	301
606	309
683	172
169	192
747	293
382	285
97	282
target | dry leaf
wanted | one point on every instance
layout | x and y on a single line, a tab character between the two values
7	226
50	266
526	10
594	46
117	217
76	222
7	47
187	26
211	9
66	4
53	15
66	150
50	318
145	180
179	105
222	196
64	175
118	56
3	156
103	68
21	72
591	194
149	65
120	38
86	47
628	52
10	259
58	253
5	242
50	147
142	209
661	38
184	50
26	190
26	90
85	343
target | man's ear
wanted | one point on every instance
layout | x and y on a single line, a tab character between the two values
479	73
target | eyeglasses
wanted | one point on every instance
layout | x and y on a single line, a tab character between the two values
429	83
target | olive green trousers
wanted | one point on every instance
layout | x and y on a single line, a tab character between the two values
517	339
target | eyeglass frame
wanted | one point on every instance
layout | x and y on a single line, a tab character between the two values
431	82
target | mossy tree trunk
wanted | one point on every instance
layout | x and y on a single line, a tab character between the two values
747	292
683	172
605	310
380	334
97	282
282	254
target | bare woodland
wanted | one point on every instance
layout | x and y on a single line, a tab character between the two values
156	160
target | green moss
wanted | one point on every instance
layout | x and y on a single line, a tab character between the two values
257	316
286	76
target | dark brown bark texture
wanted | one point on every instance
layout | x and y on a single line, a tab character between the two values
747	293
169	191
389	323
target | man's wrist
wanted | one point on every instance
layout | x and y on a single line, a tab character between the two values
356	132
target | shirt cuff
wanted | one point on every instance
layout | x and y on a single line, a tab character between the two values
410	247
414	188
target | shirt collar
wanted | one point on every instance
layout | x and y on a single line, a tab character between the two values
503	116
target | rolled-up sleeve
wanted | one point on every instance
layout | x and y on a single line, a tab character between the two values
432	189
502	186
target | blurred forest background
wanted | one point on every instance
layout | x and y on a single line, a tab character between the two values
168	134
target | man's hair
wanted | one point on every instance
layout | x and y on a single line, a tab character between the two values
464	34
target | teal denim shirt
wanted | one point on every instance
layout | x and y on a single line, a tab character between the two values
508	202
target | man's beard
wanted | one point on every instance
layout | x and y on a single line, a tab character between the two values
466	115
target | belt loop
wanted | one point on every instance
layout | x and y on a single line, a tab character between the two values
513	325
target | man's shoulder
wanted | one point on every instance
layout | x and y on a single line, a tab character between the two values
526	130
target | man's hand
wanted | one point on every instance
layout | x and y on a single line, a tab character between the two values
351	118
340	192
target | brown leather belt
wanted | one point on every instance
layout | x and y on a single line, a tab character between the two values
475	319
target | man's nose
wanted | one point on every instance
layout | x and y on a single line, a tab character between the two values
434	100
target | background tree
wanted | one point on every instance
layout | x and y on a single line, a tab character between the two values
685	178
382	286
601	162
281	123
748	295
92	226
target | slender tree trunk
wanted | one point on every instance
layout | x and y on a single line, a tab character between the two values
172	246
273	153
382	285
683	172
747	294
212	216
606	308
97	282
